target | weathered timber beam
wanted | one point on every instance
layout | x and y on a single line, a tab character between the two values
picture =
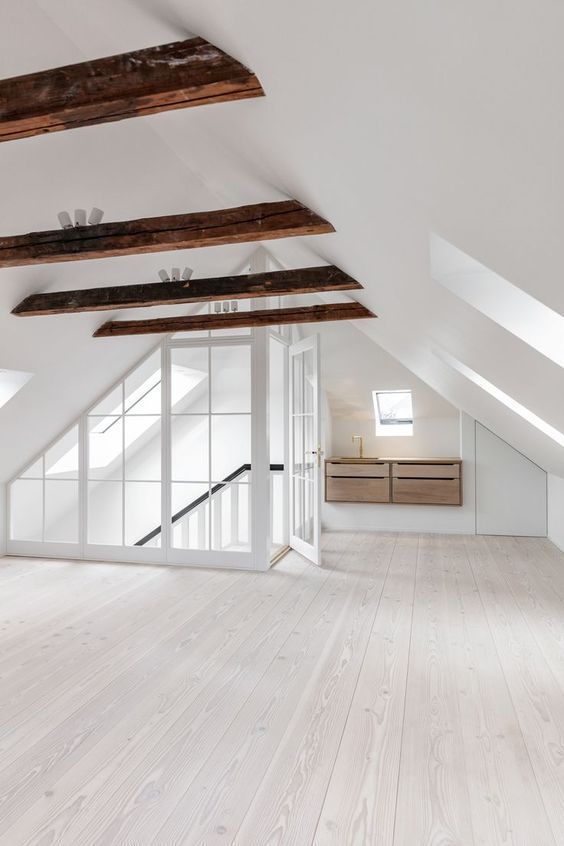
308	280
172	76
238	319
259	222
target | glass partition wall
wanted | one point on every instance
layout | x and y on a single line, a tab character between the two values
184	461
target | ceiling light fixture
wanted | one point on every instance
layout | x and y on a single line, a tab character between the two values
175	276
94	218
65	220
80	217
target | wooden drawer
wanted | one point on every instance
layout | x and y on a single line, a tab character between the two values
426	471
357	490
374	471
426	491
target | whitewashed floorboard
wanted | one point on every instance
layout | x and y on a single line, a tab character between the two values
409	693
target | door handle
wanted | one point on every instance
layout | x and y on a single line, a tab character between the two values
318	452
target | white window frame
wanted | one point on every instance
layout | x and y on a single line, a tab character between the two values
392	428
259	556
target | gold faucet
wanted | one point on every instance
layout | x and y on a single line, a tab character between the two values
361	447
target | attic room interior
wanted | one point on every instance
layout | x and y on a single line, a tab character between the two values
282	418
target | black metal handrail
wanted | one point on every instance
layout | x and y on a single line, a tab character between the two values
244	468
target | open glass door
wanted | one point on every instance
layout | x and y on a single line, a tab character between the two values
305	449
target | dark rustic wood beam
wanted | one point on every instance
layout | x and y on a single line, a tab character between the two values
307	280
260	222
156	79
238	319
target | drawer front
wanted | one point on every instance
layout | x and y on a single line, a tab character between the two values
374	471
426	471
357	490
426	491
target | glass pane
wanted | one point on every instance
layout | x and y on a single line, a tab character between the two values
143	448
308	512
112	403
143	387
189	380
190	516
298	441
61	461
277	509
298	507
231	379
105	513
394	407
277	405
105	447
309	446
231	518
309	380
26	510
190	448
35	471
61	511
231	444
142	513
297	382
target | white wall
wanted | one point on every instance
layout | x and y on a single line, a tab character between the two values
436	437
3	528
344	516
510	489
556	510
352	367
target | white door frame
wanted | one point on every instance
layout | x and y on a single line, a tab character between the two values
310	549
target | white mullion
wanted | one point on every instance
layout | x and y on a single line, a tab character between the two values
259	499
43	499
166	475
290	441
271	516
286	471
210	445
123	463
82	482
303	422
235	514
202	523
216	523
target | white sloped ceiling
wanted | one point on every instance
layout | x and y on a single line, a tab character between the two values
393	120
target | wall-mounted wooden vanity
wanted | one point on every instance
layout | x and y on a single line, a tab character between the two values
406	481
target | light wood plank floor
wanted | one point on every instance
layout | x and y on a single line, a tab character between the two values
410	693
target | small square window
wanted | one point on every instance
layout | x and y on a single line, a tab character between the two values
394	413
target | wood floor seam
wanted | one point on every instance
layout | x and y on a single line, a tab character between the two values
407	693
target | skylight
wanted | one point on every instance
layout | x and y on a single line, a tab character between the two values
521	314
502	397
394	412
106	439
12	381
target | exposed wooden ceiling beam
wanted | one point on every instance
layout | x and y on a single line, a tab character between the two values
308	280
259	222
238	319
156	79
